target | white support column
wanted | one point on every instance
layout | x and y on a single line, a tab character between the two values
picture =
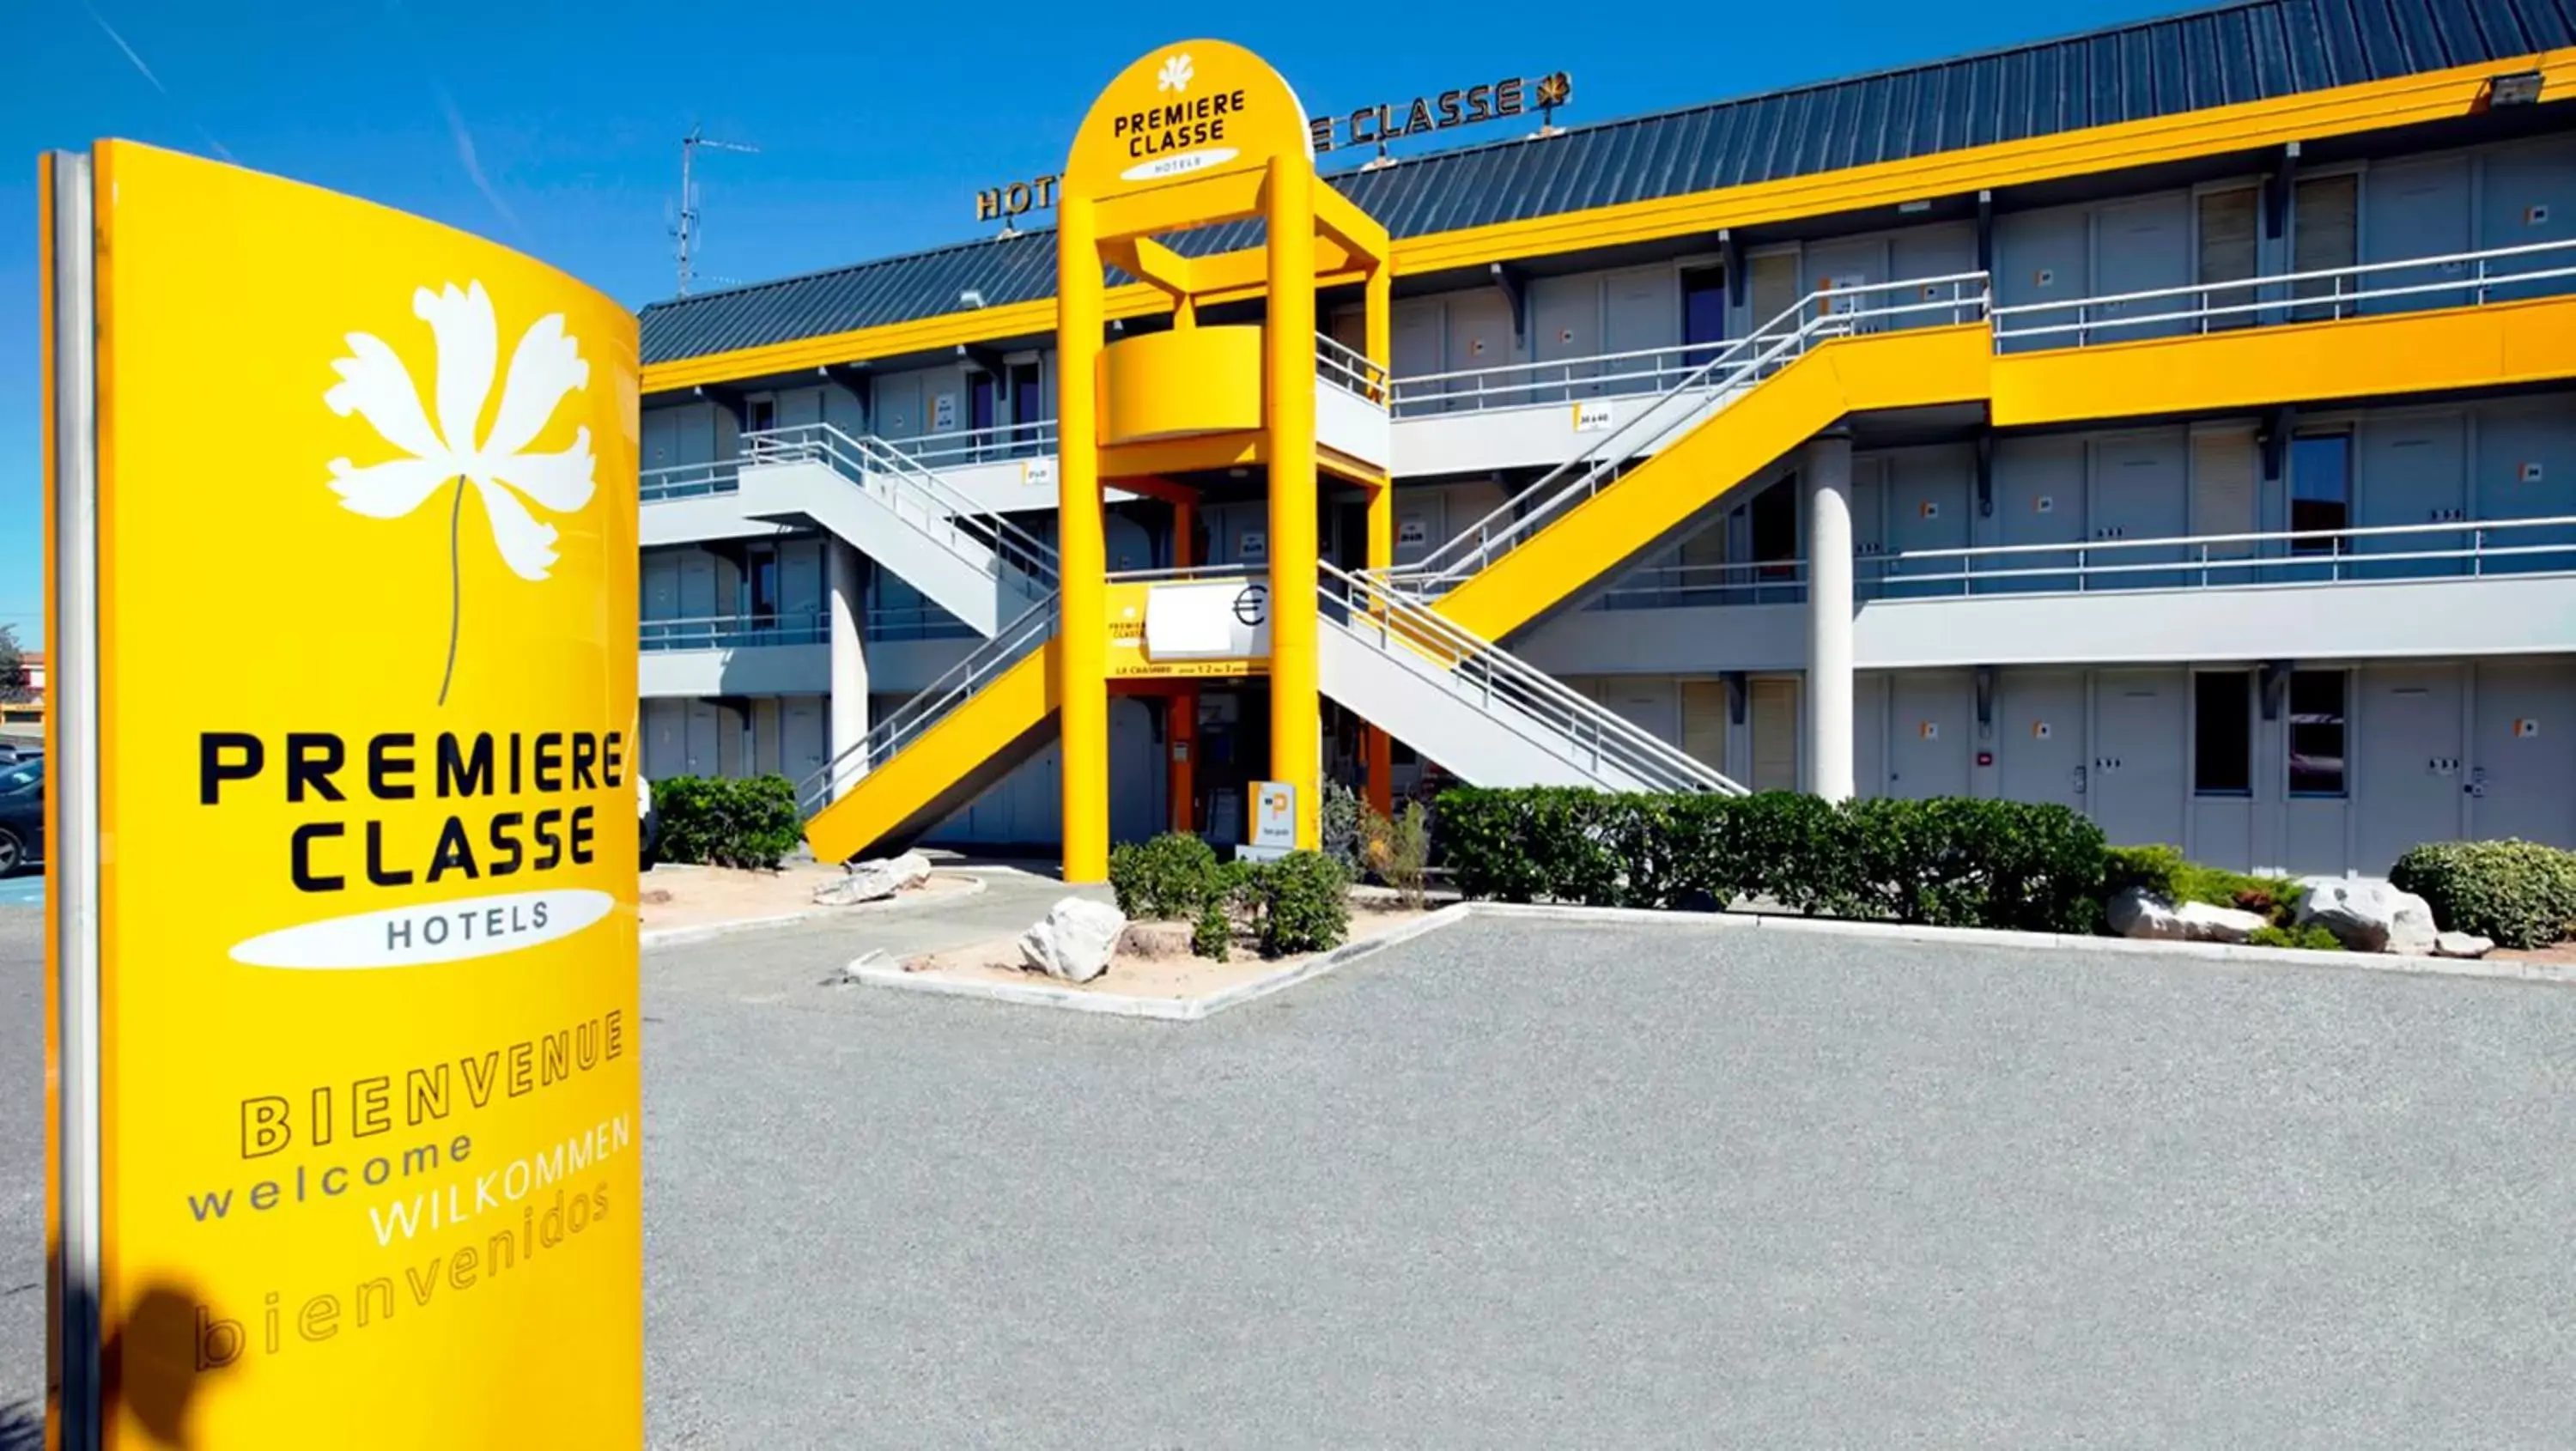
845	587
1827	473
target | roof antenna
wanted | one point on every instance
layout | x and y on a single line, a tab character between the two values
685	229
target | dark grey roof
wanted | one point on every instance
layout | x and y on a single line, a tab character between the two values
2245	52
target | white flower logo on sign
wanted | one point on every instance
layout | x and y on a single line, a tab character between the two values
1175	75
546	365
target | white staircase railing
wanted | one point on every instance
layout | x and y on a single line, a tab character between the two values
922	498
1595	739
932	704
1736	367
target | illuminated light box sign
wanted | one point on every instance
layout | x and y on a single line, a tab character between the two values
345	1025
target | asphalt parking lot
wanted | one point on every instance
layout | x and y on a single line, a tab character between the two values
1543	1184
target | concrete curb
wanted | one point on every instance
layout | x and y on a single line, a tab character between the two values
1039	993
2044	941
701	931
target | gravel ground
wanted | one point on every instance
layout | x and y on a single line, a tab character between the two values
1540	1184
22	1177
1550	1185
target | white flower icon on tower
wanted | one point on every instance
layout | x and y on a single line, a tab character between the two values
1175	75
546	365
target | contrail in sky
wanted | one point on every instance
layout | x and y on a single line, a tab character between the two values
465	153
456	127
146	72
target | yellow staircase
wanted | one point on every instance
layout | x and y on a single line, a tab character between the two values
1587	519
942	749
1590	536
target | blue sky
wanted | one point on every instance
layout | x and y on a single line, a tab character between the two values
554	128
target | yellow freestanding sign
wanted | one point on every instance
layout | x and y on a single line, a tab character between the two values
342	552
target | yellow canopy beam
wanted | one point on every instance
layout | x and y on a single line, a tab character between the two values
1201	202
1362	237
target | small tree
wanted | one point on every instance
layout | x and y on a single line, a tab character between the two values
1399	851
13	667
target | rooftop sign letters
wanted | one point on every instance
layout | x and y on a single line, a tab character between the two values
1393	120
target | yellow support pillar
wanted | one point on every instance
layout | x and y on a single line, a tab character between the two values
1181	715
1288	421
1377	747
1082	627
1377	321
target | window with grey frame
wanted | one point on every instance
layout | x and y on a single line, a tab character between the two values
2320	491
2325	234
2222	734
2228	252
2319	733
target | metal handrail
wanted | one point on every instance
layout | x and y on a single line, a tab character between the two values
1737	365
1555	380
733	632
1349	369
923	621
2483	280
688	481
1030	438
1581	730
1755	576
933	702
862	460
2339	562
1886	568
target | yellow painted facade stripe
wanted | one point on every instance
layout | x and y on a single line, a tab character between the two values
2498	345
2344	110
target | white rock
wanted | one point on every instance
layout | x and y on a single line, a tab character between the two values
1075	939
2368	916
871	881
2462	944
2134	912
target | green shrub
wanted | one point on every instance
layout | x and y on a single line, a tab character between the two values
1399	851
2165	872
1166	879
2520	893
1301	902
728	821
1480	835
2313	937
2157	869
1956	861
1212	936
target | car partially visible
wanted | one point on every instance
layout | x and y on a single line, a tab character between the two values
22	814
